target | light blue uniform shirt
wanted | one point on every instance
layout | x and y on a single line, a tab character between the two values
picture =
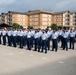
29	34
44	36
72	34
9	33
21	33
54	35
65	35
14	33
4	32
36	35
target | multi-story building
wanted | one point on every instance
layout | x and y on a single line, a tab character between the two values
58	19
73	19
17	17
4	18
40	18
62	19
66	19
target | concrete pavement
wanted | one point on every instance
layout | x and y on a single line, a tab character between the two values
15	61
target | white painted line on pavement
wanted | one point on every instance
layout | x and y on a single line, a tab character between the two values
44	58
61	62
31	55
10	53
21	52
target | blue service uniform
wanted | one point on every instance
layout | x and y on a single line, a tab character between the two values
0	36
48	39
32	37
21	35
4	37
29	40
18	37
72	39
54	41
36	36
60	35
25	38
65	40
14	38
9	38
44	38
62	40
39	40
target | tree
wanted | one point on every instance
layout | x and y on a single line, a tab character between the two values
30	27
54	26
16	25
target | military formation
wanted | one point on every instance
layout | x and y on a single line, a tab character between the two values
39	40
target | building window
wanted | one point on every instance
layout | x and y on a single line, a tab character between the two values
68	15
67	19
74	24
67	23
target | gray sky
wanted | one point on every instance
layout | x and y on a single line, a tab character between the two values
26	5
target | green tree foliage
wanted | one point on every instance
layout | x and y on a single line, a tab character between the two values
16	26
30	27
54	26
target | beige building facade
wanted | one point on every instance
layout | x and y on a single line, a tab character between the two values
40	18
16	17
4	18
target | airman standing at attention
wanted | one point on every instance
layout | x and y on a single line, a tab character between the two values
29	39
0	35
65	40
14	37
21	34
44	38
72	39
54	41
9	33
4	36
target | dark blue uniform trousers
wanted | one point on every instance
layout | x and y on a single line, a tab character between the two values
54	44
32	39
39	44
44	46
36	44
9	41
4	40
29	43
65	43
18	40
0	39
24	41
48	43
14	41
72	41
21	41
62	42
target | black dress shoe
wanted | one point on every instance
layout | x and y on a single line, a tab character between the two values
55	50
45	52
34	50
38	51
52	50
66	49
41	51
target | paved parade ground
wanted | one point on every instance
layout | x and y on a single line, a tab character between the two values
15	61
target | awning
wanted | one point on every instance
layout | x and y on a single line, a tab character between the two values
5	25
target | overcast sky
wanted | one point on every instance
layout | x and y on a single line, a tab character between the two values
26	5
